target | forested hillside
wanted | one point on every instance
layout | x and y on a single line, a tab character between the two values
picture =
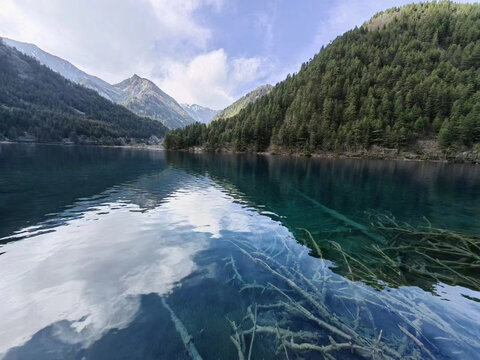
37	103
243	102
409	73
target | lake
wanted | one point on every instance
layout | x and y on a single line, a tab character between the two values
114	253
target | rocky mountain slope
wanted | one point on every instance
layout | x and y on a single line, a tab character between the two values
144	99
200	113
38	104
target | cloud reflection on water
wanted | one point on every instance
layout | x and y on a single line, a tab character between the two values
91	269
86	274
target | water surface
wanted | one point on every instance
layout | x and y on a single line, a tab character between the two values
132	254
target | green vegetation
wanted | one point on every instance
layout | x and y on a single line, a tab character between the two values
243	102
410	73
39	104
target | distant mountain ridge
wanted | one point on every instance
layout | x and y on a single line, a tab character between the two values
38	104
144	99
66	69
241	103
200	113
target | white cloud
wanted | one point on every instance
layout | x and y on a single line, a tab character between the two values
158	39
34	294
110	38
170	42
246	69
210	78
53	276
114	39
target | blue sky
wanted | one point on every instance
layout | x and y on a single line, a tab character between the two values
208	52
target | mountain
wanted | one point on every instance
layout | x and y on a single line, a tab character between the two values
38	104
241	103
139	95
200	113
144	98
407	77
66	69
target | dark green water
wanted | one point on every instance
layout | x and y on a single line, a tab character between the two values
131	254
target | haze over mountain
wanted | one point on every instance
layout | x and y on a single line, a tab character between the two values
141	96
41	105
409	75
200	113
241	103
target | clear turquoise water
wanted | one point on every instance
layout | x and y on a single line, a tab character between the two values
115	253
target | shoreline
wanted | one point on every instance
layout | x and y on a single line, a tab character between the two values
139	146
375	153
